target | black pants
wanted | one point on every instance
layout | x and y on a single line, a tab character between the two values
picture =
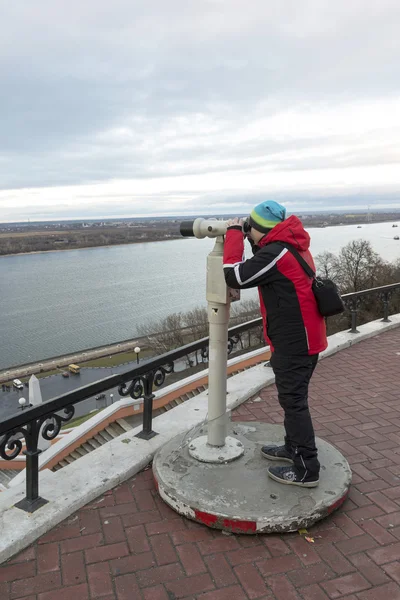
292	376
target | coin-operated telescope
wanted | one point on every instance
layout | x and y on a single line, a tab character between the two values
216	446
201	228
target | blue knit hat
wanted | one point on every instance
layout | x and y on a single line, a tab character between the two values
266	215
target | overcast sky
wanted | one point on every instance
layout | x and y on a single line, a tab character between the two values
152	107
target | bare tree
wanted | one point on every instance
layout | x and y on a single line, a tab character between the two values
164	335
327	265
197	327
196	322
245	310
359	266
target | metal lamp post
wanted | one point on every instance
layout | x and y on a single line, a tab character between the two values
137	352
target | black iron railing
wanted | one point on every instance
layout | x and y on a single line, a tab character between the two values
25	427
46	419
354	300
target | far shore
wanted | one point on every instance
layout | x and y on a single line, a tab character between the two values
90	247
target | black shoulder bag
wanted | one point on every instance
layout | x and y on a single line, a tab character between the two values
325	291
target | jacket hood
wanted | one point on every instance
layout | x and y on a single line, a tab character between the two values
291	231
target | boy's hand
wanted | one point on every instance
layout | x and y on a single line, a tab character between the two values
236	221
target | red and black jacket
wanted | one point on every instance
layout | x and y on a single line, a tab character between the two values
292	322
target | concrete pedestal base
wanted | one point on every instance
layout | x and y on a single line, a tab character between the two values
200	450
238	496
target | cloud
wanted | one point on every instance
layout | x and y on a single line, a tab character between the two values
161	105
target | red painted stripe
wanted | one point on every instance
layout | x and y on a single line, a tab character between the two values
338	503
205	518
231	524
242	526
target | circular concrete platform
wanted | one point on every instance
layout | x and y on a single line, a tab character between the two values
239	496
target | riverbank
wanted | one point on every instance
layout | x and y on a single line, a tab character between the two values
55	365
143	241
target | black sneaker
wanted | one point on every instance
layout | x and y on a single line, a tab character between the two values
277	453
289	476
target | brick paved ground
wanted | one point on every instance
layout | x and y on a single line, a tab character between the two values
128	545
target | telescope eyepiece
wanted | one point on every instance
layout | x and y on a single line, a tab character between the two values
186	228
247	226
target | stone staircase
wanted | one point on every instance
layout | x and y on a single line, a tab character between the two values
5	477
180	400
120	427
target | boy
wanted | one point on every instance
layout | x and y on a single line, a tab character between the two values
293	326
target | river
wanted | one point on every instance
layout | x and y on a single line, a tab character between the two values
59	302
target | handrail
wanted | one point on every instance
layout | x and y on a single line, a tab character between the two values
46	419
381	289
92	389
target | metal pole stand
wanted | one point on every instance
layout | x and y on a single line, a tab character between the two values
216	447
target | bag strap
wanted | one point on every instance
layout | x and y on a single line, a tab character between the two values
299	258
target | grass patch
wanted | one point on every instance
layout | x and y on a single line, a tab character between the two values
48	373
115	359
80	420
